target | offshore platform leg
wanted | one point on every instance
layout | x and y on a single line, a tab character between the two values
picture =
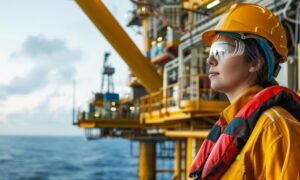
189	156
178	152
147	163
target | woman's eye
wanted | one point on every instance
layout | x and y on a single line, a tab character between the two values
217	55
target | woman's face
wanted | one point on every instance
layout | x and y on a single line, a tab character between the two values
227	73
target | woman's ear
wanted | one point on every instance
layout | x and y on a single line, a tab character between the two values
254	67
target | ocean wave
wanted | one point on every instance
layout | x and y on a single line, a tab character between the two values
60	158
6	157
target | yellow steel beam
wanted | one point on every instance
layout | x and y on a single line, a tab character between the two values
109	124
155	118
187	134
122	43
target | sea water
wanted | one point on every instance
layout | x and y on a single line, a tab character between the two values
70	158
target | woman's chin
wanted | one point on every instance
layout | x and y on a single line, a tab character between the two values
214	85
217	87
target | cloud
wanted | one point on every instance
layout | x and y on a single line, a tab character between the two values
40	120
54	62
40	115
36	46
23	85
47	52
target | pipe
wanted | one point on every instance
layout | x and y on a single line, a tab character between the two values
189	156
187	134
118	38
178	152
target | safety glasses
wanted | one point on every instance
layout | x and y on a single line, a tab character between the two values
221	49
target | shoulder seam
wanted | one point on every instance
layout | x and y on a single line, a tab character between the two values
282	116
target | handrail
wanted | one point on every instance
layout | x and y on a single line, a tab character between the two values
196	88
170	96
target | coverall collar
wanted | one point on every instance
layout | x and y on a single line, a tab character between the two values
228	113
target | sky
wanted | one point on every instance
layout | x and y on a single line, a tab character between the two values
45	46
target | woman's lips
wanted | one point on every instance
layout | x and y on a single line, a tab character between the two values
212	74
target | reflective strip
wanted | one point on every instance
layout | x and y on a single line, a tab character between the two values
269	116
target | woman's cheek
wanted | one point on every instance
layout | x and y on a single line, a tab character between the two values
232	71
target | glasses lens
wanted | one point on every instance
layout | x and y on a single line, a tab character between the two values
222	49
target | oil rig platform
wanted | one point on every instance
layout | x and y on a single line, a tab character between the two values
171	107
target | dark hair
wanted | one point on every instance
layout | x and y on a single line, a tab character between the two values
254	55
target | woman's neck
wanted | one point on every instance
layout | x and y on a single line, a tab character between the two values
233	94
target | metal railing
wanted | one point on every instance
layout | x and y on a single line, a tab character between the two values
194	87
128	112
189	88
151	102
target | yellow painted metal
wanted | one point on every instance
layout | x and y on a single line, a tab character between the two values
157	108
189	156
93	123
122	43
203	106
187	134
177	163
188	110
154	117
133	81
147	160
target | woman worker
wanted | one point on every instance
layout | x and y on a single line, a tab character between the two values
258	134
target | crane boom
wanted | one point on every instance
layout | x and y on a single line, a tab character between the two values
126	48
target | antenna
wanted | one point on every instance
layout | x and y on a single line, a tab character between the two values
74	122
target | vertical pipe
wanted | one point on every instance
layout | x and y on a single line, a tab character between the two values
145	25
147	160
191	19
75	122
189	156
177	160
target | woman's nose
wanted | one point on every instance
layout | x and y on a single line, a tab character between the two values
211	61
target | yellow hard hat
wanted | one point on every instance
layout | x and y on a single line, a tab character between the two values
252	19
